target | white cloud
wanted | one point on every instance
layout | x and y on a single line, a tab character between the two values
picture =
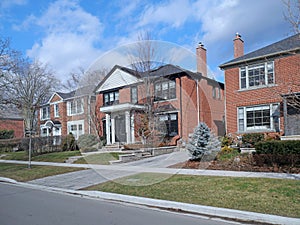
70	36
174	13
5	4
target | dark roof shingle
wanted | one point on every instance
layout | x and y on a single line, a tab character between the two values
291	43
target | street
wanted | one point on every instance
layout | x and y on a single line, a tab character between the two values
27	206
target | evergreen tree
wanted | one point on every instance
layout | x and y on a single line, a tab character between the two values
202	143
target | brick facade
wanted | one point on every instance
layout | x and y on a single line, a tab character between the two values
286	81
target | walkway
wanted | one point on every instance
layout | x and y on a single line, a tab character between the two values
96	174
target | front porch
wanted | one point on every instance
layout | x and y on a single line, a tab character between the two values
119	123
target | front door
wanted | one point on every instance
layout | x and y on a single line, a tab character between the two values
120	129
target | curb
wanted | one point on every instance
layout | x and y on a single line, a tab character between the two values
208	211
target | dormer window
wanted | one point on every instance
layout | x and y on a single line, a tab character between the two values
258	75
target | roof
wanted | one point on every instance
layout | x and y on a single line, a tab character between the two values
125	69
284	46
10	112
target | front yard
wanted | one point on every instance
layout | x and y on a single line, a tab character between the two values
271	196
23	174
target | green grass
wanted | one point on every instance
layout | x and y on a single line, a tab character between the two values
271	196
49	157
99	158
22	173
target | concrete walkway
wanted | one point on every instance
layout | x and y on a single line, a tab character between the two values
96	174
71	182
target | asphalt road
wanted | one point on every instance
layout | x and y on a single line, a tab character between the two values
27	206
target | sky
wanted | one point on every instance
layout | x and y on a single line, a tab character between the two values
72	34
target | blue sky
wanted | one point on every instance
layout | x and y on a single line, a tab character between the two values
68	34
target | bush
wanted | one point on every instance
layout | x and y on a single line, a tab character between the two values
87	141
9	145
277	152
69	143
7	134
202	143
250	139
226	141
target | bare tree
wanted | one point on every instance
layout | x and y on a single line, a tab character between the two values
145	57
8	63
292	14
27	87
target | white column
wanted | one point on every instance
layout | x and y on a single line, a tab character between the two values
107	122
132	128
113	130
127	126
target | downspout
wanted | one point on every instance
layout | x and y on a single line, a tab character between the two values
181	134
198	101
89	113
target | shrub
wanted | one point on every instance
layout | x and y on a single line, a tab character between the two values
202	143
7	134
69	143
250	139
87	140
277	152
226	141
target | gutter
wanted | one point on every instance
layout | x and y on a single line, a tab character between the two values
257	57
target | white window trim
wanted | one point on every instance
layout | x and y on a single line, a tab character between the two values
77	123
42	114
69	110
247	76
56	115
257	128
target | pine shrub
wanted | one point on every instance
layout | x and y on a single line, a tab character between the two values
203	143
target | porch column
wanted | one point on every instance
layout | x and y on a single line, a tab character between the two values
127	126
132	128
107	122
285	116
113	130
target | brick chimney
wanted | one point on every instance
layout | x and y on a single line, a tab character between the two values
201	59
238	45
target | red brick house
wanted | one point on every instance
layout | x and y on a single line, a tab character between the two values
262	88
11	119
66	113
181	99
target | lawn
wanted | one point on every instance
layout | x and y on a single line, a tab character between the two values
99	158
22	173
271	196
49	157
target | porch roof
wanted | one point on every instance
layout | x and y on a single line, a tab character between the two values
121	107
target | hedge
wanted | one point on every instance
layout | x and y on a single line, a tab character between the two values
278	147
7	134
277	152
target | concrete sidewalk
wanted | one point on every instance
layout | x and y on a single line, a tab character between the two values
70	183
101	173
241	217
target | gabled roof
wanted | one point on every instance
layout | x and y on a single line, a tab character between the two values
290	44
128	77
82	91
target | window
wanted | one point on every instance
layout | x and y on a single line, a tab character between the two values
255	118
56	110
45	113
165	90
75	107
134	95
257	75
171	123
76	128
111	98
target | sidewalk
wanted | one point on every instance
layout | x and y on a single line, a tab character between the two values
70	183
101	173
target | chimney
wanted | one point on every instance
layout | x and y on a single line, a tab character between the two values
238	45
201	59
